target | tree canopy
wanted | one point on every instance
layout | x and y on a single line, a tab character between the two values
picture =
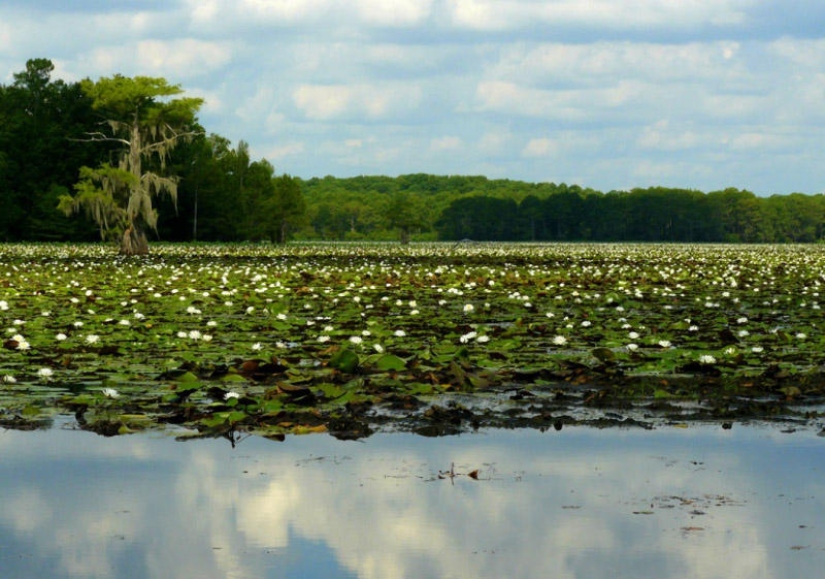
147	128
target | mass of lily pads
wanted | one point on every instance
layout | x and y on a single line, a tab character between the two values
222	340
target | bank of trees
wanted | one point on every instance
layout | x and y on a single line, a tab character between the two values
50	129
130	154
460	207
653	214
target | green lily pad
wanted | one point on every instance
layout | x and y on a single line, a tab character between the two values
345	360
390	362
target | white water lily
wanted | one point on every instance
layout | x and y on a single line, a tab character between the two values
110	393
469	336
707	359
45	372
559	340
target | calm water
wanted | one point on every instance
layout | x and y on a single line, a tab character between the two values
678	503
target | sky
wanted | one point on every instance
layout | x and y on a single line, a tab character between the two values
606	94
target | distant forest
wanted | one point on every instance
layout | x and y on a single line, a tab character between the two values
453	208
224	195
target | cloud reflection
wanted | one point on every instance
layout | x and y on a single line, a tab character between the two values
575	504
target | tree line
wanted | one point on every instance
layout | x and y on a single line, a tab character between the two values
474	207
130	155
72	145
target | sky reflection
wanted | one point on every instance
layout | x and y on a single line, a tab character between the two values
702	503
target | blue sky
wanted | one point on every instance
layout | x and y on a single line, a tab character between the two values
608	94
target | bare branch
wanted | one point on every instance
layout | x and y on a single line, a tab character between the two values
100	138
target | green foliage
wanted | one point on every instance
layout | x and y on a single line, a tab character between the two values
287	207
147	129
102	194
345	360
39	118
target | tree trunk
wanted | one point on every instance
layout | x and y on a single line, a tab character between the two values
405	236
134	242
282	231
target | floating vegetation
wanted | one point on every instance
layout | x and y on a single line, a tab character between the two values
434	338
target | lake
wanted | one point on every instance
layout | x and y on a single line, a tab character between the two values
699	502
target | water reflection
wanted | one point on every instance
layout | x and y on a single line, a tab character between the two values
580	503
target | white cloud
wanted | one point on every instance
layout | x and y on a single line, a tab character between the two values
213	103
662	137
380	13
287	150
446	143
183	58
806	53
327	102
323	102
283	10
568	105
395	12
5	37
542	147
252	109
593	65
614	14
211	14
176	59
